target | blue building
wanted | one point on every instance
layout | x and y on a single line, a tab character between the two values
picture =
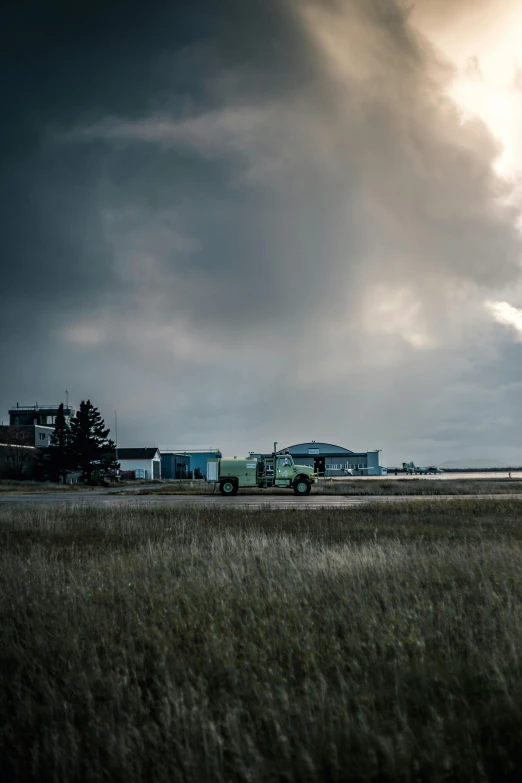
179	464
175	466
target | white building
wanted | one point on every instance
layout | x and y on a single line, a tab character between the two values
146	462
42	436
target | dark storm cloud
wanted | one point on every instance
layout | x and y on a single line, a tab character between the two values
196	198
401	188
69	65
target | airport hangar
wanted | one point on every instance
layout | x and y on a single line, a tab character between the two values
330	460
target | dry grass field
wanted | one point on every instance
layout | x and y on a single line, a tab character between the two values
13	487
423	486
356	486
383	643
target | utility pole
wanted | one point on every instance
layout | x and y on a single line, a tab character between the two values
116	428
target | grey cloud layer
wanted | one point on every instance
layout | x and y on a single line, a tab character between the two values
266	210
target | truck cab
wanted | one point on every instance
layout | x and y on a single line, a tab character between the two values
285	467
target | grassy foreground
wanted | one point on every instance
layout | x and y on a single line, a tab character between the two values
152	644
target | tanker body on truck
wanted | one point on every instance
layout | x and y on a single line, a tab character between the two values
277	470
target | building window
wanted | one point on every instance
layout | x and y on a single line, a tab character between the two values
41	435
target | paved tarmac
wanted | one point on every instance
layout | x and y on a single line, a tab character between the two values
100	498
258	501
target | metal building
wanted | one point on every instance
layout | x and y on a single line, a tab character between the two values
184	463
175	466
330	460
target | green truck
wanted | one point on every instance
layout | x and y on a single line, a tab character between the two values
277	470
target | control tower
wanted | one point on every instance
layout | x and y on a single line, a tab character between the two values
40	415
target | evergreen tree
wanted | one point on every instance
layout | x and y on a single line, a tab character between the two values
59	454
91	450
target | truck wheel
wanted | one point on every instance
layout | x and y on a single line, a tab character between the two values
228	488
302	486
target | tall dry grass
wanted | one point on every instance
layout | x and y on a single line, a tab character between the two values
188	644
422	486
356	487
15	487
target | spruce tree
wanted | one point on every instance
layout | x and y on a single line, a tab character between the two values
59	454
92	452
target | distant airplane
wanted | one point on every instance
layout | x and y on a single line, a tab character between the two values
410	467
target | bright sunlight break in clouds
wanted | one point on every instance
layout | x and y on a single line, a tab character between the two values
506	314
483	42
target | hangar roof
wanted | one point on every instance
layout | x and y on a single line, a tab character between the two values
316	448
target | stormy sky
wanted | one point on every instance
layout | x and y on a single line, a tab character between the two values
239	222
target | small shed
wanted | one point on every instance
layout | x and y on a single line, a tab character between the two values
145	462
